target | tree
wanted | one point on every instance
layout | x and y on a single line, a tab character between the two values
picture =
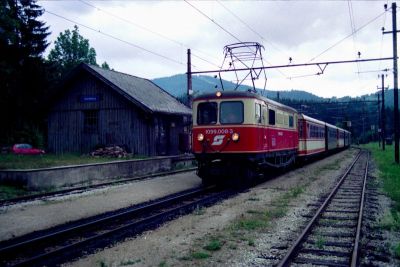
22	79
71	49
105	66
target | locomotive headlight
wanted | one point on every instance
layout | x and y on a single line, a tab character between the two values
235	137
200	137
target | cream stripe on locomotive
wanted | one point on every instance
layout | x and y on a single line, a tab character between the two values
256	112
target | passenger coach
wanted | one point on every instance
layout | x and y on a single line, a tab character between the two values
311	136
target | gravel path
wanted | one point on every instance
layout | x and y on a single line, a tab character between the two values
23	218
248	230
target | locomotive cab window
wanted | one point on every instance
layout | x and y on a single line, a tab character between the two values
207	113
231	112
271	116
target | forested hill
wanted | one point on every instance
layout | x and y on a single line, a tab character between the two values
177	86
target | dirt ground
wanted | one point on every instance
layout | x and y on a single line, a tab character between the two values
42	214
249	229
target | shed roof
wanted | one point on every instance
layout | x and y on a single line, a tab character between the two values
140	91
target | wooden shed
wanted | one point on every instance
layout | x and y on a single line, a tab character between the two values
98	107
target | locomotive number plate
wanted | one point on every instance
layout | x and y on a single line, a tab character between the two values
219	131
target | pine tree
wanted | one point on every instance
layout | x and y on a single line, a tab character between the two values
22	79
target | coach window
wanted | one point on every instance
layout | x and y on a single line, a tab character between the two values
291	121
207	113
258	113
271	116
231	112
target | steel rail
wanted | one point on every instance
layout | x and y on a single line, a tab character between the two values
142	223
354	257
85	225
11	201
294	248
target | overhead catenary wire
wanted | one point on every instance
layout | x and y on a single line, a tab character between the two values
255	32
383	27
353	28
213	21
150	31
116	38
249	27
347	36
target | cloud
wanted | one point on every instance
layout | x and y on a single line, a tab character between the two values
301	30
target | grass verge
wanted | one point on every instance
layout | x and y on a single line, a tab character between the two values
11	161
389	172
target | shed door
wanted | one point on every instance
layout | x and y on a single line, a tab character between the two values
163	137
90	137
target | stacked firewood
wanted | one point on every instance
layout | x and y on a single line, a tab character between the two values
110	151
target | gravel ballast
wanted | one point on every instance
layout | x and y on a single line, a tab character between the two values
27	217
253	229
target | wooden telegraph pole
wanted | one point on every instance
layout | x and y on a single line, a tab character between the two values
189	79
383	115
395	82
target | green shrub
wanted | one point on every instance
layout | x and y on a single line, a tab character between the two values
213	245
200	255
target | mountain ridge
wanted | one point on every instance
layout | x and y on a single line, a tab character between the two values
176	85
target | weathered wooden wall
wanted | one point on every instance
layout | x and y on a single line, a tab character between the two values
120	122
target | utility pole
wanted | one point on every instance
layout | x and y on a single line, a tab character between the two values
379	122
189	79
383	115
395	82
396	89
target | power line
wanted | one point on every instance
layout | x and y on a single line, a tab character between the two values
353	28
213	21
250	28
341	40
383	27
115	38
215	65
148	30
255	32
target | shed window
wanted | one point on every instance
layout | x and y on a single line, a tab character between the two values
90	121
271	117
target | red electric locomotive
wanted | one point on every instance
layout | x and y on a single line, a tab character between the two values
237	133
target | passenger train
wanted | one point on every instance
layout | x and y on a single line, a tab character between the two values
238	135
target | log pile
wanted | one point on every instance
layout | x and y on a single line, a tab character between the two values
110	151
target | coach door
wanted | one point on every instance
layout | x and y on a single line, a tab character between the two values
264	127
260	129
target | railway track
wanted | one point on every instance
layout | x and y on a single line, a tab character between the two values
332	236
59	245
11	201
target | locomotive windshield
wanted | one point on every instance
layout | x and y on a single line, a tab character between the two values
207	113
231	112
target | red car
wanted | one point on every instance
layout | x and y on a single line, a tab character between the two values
26	149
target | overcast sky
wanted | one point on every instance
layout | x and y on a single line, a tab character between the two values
150	39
